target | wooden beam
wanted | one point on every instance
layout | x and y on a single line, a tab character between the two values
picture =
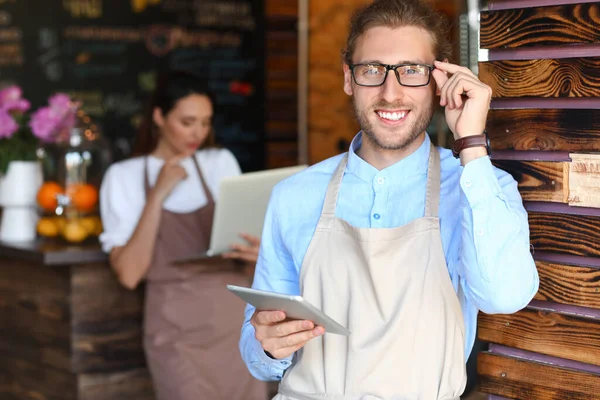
569	284
517	378
567	77
576	23
584	180
562	233
566	336
539	181
544	129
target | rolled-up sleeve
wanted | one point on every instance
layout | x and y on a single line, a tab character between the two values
120	209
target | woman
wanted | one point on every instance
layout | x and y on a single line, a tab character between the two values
158	208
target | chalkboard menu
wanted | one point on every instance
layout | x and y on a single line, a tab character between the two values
107	54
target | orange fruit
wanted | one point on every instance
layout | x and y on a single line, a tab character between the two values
46	196
47	227
84	197
74	231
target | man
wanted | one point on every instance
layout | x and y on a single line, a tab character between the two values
397	240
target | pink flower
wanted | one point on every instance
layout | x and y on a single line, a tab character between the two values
8	126
47	122
11	99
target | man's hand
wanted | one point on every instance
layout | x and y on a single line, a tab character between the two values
281	338
466	98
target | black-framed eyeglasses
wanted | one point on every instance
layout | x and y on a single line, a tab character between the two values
375	74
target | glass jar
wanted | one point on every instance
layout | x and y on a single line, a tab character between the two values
73	168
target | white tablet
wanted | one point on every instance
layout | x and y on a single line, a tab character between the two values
295	307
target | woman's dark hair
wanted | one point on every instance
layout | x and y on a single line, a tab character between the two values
170	88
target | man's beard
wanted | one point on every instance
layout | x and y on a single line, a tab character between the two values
403	140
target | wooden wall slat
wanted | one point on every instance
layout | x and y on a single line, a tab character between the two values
134	384
106	328
544	129
287	8
565	336
568	234
569	284
579	23
567	77
516	378
539	181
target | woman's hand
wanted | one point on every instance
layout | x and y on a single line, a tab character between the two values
247	253
169	176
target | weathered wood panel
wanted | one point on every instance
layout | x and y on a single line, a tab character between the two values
569	284
26	380
34	323
283	154
106	328
546	130
539	181
569	234
288	8
584	180
577	23
565	336
516	378
568	77
134	384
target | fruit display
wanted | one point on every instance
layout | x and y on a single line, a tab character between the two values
73	169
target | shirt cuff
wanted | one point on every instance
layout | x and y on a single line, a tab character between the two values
275	367
478	181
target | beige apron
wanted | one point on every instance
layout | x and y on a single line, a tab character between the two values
391	288
191	323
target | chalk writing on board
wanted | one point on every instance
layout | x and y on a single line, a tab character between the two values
83	8
215	13
92	100
49	55
11	48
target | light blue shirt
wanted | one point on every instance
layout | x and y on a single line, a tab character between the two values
484	230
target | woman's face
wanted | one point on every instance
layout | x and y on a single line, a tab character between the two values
185	127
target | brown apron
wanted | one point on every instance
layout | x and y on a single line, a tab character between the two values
391	288
191	323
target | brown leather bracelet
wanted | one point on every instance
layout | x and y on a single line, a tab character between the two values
471	141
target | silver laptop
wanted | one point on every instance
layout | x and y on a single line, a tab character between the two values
241	208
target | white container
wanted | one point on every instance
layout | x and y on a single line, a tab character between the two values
18	191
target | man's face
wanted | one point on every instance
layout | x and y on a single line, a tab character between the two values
392	116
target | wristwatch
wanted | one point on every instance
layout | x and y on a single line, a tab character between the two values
471	141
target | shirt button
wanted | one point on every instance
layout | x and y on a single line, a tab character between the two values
376	216
468	184
380	180
480	233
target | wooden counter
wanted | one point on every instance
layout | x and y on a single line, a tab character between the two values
68	330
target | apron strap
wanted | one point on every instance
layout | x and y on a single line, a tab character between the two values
209	195
333	189
146	182
432	197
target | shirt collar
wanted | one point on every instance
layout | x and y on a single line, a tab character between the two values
413	165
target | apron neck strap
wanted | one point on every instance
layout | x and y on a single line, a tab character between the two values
432	198
333	189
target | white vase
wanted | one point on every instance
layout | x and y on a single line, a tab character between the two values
18	191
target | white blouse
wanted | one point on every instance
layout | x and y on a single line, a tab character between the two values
122	196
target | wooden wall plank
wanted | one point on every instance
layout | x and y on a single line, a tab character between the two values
544	129
554	334
106	329
134	384
567	77
584	180
568	234
569	284
287	8
33	381
539	181
576	23
34	323
516	378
